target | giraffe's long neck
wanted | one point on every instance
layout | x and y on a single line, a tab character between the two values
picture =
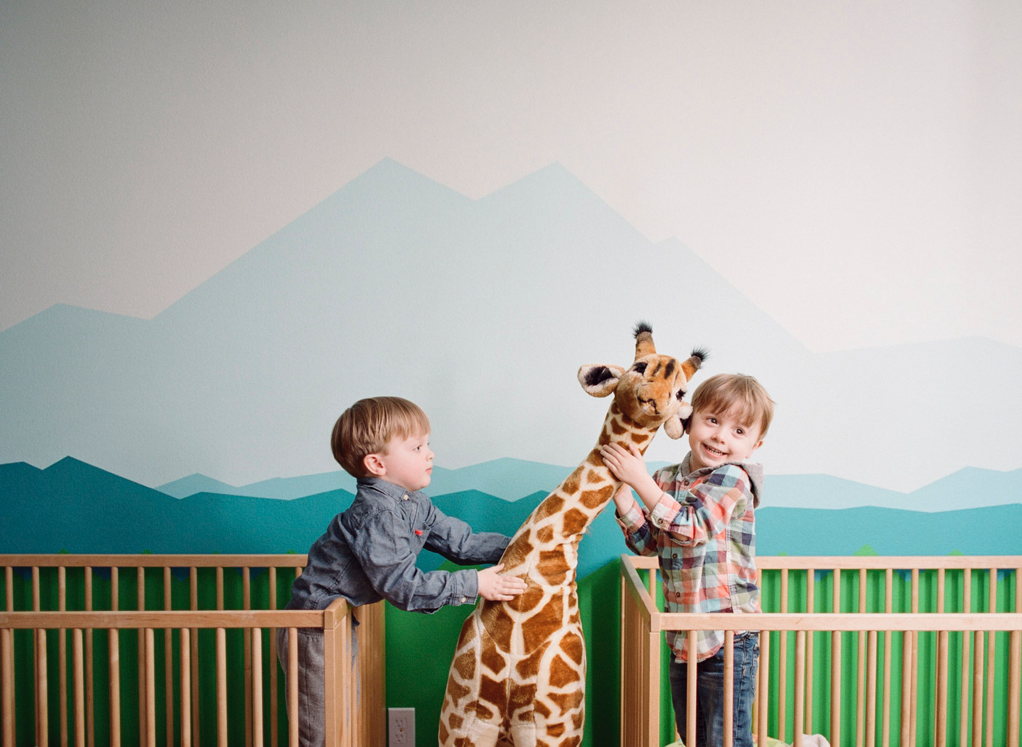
548	540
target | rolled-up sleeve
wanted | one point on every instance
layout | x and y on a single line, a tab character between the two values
385	552
640	535
706	509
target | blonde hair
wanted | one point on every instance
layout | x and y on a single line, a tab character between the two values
368	425
738	394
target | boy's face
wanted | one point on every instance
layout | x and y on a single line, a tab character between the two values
717	438
408	462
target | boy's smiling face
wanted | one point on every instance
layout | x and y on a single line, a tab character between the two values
717	438
408	462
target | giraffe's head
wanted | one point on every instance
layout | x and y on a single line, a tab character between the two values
651	390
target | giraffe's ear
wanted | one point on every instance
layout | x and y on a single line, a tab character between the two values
599	380
677	423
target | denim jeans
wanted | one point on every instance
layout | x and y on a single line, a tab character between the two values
710	694
311	686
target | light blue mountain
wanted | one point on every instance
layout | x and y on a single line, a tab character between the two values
481	311
77	507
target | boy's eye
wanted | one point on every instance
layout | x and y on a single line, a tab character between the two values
740	431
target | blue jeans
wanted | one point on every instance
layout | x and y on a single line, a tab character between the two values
710	694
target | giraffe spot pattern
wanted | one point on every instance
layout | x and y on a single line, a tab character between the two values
567	702
574	521
571	483
561	674
572	645
594	458
554	567
639	438
478	708
492	691
543	624
465	665
492	660
522	697
551	505
498	624
546	534
528	667
527	600
594	498
618	428
519	549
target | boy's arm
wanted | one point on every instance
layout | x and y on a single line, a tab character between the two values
455	540
640	535
385	552
705	509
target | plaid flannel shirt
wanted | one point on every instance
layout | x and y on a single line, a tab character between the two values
704	531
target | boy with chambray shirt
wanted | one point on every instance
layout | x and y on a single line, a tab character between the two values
699	518
368	552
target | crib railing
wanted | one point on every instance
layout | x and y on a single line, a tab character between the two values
211	676
906	651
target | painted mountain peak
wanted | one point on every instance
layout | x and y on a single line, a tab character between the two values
481	311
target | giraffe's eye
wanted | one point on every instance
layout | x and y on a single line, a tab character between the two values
639	368
680	394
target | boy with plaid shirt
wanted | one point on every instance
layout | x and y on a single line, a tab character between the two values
699	518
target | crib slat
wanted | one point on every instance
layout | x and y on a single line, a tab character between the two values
274	726
257	688
810	639
764	687
914	696
168	659
78	675
991	659
942	671
185	647
221	686
90	695
115	684
782	671
941	682
906	688
799	727
963	717
246	599
62	653
691	686
142	662
10	723
35	588
193	638
860	655
292	685
871	690
888	606
729	688
835	669
150	687
977	689
219	587
42	711
7	684
1014	667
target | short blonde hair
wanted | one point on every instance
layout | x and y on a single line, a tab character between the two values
368	426
739	394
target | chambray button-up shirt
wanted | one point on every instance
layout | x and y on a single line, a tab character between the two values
368	553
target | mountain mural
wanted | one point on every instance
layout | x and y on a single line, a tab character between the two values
481	311
80	508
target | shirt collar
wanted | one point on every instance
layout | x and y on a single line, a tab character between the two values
389	489
753	469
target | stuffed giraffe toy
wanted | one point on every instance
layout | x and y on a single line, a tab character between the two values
518	674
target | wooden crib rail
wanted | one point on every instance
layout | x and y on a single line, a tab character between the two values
929	643
48	597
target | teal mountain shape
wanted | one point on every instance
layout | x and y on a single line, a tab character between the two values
481	311
80	508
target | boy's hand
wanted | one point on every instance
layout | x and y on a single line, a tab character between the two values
626	465
497	588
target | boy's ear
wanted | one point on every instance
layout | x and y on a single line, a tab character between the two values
599	380
374	465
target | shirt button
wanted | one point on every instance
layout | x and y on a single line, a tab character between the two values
405	497
675	555
463	600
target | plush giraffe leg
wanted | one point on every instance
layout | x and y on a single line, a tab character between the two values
518	675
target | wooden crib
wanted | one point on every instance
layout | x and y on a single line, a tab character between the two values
69	664
867	651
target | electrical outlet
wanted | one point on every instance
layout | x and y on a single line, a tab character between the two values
400	727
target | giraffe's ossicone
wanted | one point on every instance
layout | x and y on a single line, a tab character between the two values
518	675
